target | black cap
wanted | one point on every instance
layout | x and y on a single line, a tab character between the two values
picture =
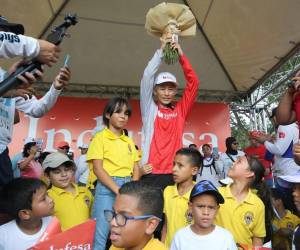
11	27
206	187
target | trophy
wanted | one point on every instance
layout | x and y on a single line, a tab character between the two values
173	20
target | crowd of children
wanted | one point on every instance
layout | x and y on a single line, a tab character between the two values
173	192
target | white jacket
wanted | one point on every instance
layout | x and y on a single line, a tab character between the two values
33	107
282	149
12	45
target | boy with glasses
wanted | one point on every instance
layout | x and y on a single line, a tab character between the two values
135	216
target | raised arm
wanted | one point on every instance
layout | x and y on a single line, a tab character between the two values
147	83
38	107
284	138
192	83
12	45
285	113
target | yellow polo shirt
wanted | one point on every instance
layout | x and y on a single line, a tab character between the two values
176	210
289	221
118	154
152	244
244	220
70	209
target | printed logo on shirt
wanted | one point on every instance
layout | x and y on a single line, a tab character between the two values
290	225
248	218
166	116
9	37
281	135
87	200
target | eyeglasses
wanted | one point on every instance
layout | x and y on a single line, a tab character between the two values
235	143
121	219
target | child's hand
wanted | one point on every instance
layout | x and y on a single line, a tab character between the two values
62	79
146	169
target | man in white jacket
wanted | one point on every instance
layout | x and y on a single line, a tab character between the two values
12	45
282	148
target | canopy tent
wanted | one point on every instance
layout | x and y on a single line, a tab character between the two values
238	43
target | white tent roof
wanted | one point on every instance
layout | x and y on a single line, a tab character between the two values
237	42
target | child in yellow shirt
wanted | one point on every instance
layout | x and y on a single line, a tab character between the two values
113	159
284	223
186	165
72	203
243	212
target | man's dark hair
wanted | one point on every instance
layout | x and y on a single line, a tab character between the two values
193	155
114	106
150	198
17	195
27	147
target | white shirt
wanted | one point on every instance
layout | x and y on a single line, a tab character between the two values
282	149
218	239
82	170
226	162
33	107
12	45
209	172
12	238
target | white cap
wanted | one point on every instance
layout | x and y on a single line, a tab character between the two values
84	146
165	77
56	159
288	180
28	140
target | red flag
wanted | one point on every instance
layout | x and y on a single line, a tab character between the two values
52	229
78	237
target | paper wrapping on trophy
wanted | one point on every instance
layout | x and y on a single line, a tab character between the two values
159	17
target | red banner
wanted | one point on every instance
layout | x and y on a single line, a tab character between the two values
52	229
78	237
74	119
